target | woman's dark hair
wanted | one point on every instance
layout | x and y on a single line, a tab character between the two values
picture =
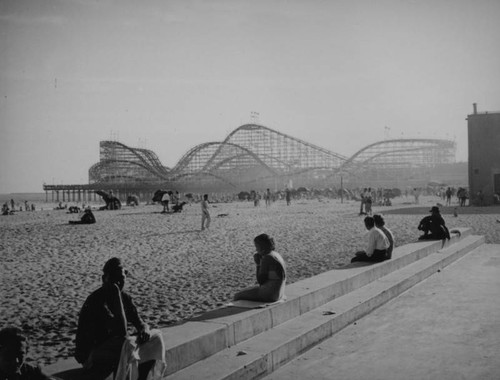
265	241
11	336
379	220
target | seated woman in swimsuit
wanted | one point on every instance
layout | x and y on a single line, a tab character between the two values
271	273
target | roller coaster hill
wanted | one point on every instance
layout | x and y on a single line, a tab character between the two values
257	157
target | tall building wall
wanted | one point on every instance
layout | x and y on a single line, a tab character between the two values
484	156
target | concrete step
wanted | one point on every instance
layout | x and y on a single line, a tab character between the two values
219	329
266	352
225	327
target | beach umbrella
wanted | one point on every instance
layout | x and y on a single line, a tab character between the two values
158	195
102	193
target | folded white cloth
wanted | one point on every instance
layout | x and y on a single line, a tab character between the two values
133	354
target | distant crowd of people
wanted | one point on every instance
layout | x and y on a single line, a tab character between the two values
6	210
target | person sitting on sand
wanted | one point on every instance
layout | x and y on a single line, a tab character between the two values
433	226
87	218
5	209
271	273
380	224
103	344
376	250
178	207
13	350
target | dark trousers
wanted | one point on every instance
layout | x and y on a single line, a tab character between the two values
377	256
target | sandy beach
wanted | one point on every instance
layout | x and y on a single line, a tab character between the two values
177	271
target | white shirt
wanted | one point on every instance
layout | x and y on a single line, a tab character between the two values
376	240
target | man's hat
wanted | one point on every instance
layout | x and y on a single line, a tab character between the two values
434	209
112	265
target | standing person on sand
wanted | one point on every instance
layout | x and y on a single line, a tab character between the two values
164	201
362	206
368	201
288	196
268	198
13	350
271	273
103	345
205	214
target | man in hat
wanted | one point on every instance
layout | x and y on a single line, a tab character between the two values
103	344
433	226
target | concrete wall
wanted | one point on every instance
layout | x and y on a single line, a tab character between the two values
484	155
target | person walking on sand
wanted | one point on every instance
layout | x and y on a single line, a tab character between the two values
376	250
164	201
288	196
205	214
13	350
268	198
103	345
449	193
271	273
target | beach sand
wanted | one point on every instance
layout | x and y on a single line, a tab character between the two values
177	271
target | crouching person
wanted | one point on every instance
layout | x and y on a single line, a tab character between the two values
103	345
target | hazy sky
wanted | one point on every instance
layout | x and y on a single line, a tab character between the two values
168	75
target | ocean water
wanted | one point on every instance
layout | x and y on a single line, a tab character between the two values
21	197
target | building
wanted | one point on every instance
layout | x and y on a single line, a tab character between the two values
484	156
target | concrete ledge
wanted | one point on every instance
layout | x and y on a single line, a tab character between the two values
68	369
302	297
215	331
265	353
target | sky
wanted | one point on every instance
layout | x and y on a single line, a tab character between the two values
168	75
